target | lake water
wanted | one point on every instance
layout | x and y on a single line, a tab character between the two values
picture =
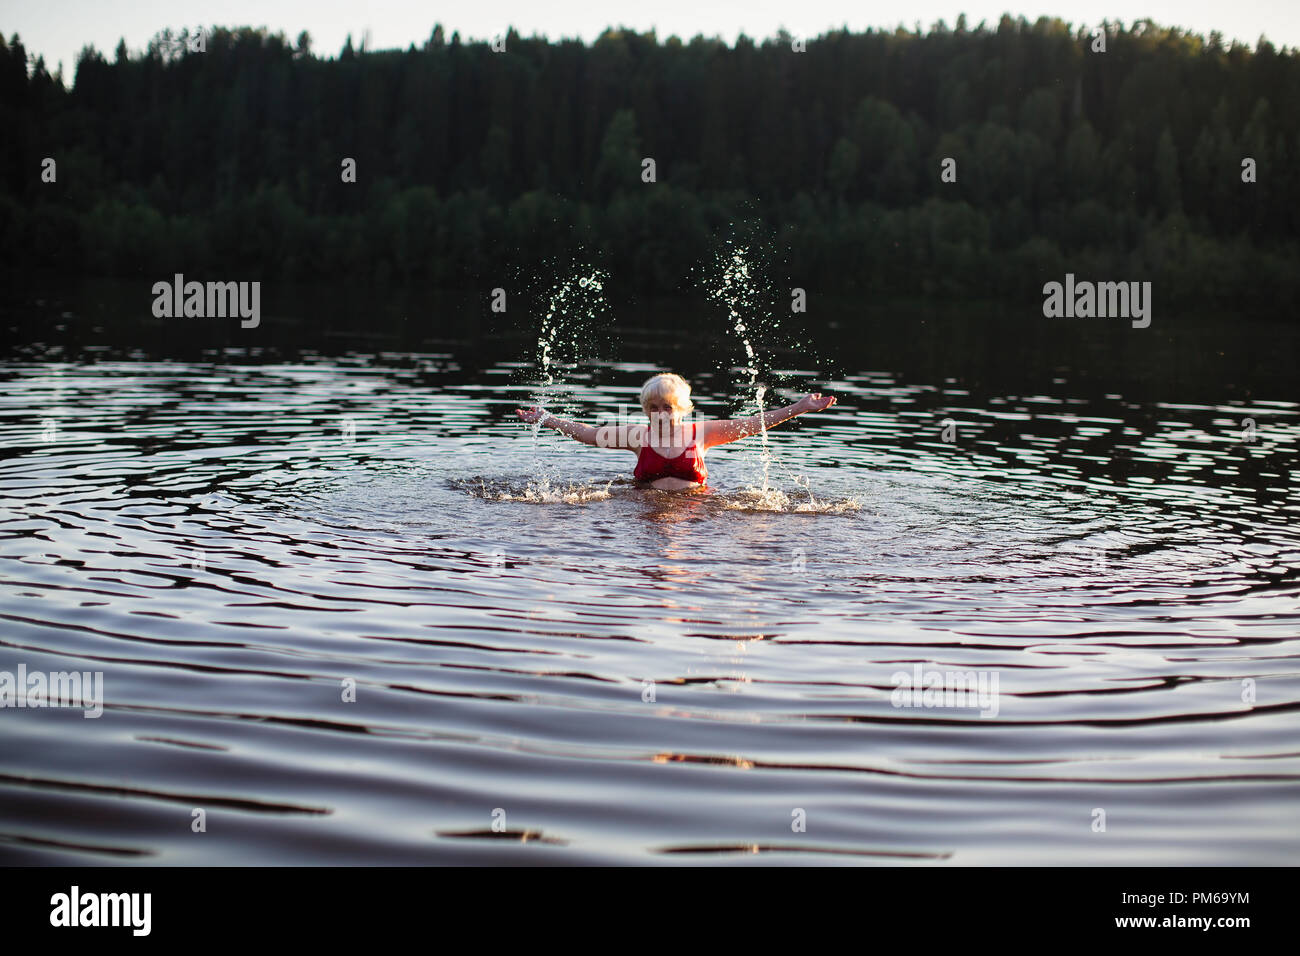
552	665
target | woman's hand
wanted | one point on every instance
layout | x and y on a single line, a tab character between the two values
531	415
815	402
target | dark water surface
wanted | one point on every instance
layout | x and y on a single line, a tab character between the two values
230	540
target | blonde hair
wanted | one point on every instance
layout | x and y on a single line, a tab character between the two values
670	386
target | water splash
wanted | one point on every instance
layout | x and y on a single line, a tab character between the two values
743	294
568	334
765	452
804	482
739	282
542	490
774	499
548	491
566	331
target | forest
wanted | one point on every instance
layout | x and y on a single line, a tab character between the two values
957	162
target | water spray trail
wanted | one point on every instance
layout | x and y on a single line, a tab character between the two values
765	455
737	291
562	338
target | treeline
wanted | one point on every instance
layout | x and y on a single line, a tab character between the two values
1122	164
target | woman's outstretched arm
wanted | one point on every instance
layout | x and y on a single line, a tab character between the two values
723	430
606	436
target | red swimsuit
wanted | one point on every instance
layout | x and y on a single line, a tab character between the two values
689	465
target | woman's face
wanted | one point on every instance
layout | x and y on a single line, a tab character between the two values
664	416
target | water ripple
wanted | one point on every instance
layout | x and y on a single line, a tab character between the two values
355	614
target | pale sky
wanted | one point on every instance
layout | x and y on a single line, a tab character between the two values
59	28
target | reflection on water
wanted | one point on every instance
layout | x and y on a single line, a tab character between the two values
630	675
